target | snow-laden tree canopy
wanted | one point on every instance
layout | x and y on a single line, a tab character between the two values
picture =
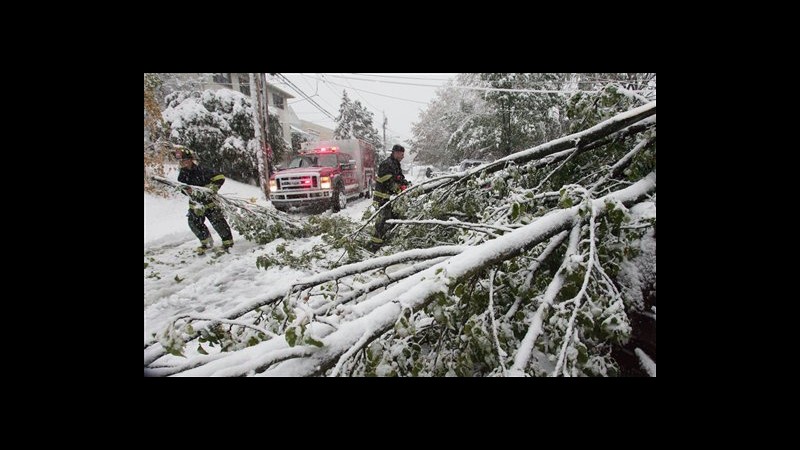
356	121
491	115
518	268
218	126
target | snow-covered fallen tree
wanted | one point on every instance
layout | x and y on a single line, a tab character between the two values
510	269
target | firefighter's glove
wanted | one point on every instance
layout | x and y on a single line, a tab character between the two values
403	187
199	196
186	189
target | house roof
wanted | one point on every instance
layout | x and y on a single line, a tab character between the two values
299	130
272	87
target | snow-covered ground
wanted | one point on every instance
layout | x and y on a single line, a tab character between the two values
177	281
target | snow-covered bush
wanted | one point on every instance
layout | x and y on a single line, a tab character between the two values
218	126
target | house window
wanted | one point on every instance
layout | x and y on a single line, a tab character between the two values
277	100
244	84
222	78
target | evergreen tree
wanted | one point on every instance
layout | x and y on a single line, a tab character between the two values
365	129
345	121
355	121
297	140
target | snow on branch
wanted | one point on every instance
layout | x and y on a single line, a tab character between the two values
452	223
379	313
230	205
153	352
647	364
580	139
377	263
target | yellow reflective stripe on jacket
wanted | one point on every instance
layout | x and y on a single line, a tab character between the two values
218	177
384	178
380	194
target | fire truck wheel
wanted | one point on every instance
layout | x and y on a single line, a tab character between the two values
339	199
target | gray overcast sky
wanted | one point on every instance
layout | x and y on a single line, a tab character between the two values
401	96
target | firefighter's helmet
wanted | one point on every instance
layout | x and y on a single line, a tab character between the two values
182	152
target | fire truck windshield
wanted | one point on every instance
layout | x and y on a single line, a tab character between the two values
328	160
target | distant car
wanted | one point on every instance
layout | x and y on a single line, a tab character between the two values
470	163
420	172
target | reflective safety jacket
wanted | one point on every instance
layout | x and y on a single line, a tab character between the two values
388	180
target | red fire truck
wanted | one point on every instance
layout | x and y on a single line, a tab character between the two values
326	173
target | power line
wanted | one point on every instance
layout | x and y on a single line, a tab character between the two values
370	104
534	91
540	83
318	106
316	92
388	82
359	95
488	89
545	91
324	76
374	93
327	86
300	91
405	78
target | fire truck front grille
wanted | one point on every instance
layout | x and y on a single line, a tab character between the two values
293	182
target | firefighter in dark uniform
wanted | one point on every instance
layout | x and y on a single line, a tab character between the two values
201	205
389	181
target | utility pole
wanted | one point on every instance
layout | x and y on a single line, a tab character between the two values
384	130
267	148
258	96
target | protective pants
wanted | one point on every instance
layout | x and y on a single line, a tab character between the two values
381	227
217	219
